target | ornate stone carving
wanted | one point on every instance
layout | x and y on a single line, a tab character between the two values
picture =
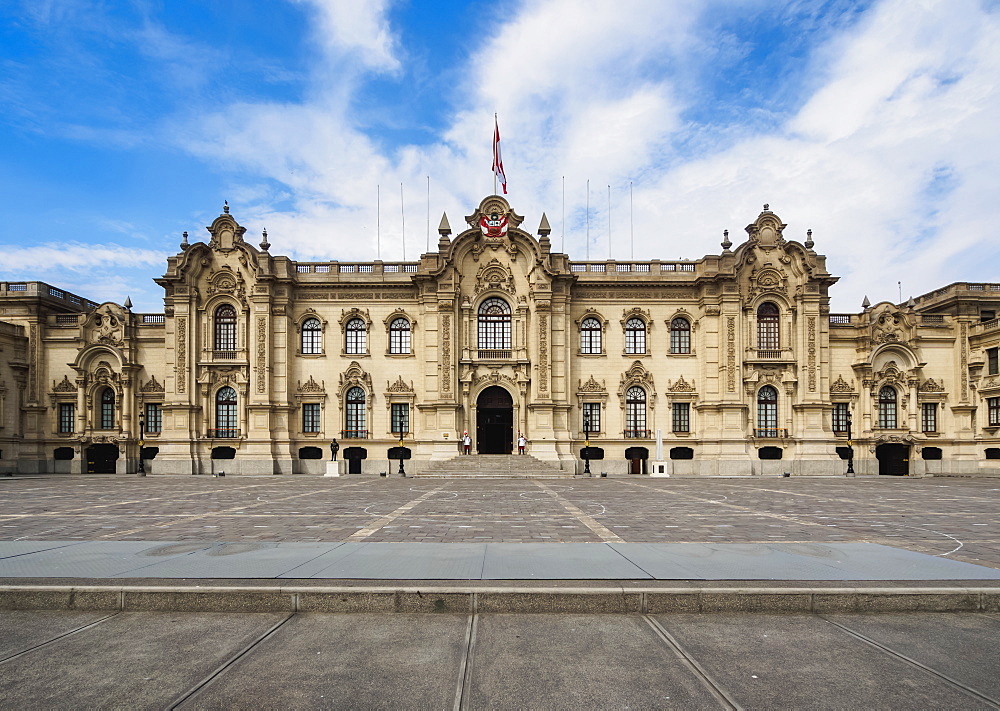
768	280
731	354
181	367
637	375
106	325
636	311
347	314
931	386
355	375
261	368
64	387
445	353
494	276
151	386
811	353
592	386
494	377
964	358
543	353
399	386
681	386
311	386
841	386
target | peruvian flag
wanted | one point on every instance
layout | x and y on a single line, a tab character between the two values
497	159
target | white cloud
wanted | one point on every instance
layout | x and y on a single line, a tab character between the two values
356	28
77	257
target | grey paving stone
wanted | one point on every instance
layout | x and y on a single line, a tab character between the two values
22	630
565	561
235	560
408	561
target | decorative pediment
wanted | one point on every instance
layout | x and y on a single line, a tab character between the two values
931	386
398	313
889	325
226	232
495	377
225	281
841	386
311	386
496	276
777	375
494	217
151	386
592	386
637	312
355	375
681	386
766	230
768	280
106	325
399	386
637	375
890	374
64	387
347	314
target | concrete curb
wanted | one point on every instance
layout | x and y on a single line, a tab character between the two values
499	599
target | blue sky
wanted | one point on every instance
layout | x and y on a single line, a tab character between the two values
871	123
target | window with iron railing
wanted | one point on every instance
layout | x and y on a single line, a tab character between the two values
767	327
225	330
355	413
494	324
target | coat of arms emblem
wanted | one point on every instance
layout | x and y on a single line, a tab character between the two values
494	224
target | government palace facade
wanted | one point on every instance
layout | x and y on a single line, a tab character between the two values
731	364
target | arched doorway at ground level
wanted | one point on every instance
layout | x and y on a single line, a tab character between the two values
494	421
101	458
893	459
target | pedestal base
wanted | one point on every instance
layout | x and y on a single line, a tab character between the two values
332	468
659	469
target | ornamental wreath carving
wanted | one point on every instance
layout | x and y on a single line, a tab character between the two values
494	276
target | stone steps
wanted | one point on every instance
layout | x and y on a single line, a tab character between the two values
494	466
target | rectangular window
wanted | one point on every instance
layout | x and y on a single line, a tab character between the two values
400	418
591	418
928	417
310	417
154	417
67	417
840	415
993	361
681	419
993	410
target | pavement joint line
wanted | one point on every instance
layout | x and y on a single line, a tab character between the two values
381	522
221	669
209	514
586	519
714	687
913	662
59	637
465	666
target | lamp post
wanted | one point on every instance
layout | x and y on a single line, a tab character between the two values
586	444
401	471
142	436
850	445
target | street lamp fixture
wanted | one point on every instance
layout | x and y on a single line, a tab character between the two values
586	444
142	437
850	445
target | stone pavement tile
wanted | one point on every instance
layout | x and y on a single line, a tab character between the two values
389	561
20	631
801	661
138	660
235	560
568	561
546	661
360	661
962	646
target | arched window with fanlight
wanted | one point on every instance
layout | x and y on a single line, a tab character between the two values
399	336
494	324
226	418
356	341
635	336
590	336
887	408
767	412
312	336
635	413
107	409
768	331
680	336
225	328
355	426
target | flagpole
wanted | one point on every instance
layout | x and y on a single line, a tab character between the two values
428	247
378	222
496	125
564	216
609	222
402	218
631	223
588	219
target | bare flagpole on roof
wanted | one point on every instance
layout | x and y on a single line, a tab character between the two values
378	222
402	218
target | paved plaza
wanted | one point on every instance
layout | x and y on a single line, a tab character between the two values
952	518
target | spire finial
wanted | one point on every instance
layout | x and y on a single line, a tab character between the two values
726	244
184	241
766	207
264	244
128	303
809	239
544	229
225	206
444	227
866	303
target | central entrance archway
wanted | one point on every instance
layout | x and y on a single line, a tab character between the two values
494	421
101	458
893	459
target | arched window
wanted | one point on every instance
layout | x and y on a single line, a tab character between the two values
108	409
356	333
680	335
312	336
635	335
590	336
887	408
226	420
354	424
635	412
494	324
767	327
399	336
767	412
225	328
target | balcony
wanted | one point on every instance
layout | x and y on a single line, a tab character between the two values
224	433
494	354
770	433
223	355
638	434
770	355
354	434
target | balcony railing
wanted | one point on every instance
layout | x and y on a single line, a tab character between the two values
224	433
770	432
225	355
638	434
354	434
770	354
494	354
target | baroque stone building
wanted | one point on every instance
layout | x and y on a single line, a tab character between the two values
258	362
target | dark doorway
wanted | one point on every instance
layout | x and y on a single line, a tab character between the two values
893	459
354	457
101	458
636	457
494	421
